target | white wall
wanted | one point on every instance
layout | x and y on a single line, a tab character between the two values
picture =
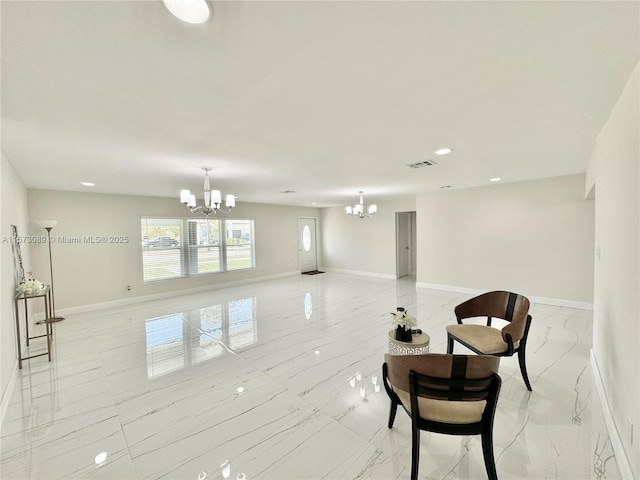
617	270
13	211
363	246
535	238
89	274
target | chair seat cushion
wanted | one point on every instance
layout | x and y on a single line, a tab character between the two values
445	411
487	340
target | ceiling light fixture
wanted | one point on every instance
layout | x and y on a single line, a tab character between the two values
88	184
190	11
212	199
357	210
443	151
495	179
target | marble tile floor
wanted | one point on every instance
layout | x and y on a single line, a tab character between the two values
282	380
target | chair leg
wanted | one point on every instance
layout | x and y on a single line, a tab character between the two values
449	343
487	452
392	412
415	451
523	366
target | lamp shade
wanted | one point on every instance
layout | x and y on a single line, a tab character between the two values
185	195
48	223
230	201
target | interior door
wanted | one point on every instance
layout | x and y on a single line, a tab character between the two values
403	244
307	243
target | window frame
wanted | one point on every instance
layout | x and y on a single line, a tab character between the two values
185	248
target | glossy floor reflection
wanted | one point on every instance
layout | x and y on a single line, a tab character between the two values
281	380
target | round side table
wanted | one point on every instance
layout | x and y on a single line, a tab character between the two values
418	346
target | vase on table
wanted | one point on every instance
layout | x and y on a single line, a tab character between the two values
403	334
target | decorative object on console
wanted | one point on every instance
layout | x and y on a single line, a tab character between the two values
17	255
403	322
48	225
357	210
31	285
212	199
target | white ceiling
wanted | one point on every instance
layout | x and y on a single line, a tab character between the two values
323	98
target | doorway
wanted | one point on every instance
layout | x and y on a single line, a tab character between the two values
405	244
307	242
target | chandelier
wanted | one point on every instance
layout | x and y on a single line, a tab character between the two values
212	199
357	210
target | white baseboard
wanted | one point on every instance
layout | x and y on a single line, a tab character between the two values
360	273
159	296
6	395
558	302
616	442
449	288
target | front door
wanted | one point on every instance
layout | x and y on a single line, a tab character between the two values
307	242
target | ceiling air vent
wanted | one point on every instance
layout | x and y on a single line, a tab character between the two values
426	163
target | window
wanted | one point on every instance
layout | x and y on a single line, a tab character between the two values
161	253
239	244
204	246
173	248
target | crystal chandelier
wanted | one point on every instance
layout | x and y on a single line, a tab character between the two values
212	199
357	210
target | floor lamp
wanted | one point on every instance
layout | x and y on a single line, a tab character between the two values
48	225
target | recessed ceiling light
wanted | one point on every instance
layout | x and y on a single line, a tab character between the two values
314	203
495	179
88	184
443	151
190	11
100	458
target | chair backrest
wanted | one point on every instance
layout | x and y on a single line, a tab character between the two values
512	307
444	376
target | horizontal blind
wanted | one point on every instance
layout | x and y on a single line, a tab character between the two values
204	246
161	249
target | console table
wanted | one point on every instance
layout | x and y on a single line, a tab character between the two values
45	294
418	345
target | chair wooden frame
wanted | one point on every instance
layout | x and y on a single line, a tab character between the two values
507	306
450	378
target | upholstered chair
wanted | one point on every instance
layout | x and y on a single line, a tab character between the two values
447	394
488	340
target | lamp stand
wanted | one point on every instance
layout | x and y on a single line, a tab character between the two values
54	318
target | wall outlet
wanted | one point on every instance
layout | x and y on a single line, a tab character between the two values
128	288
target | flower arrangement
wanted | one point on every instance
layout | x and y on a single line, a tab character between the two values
30	287
403	322
402	318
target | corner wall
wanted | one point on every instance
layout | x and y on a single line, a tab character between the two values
13	211
363	246
533	237
616	331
